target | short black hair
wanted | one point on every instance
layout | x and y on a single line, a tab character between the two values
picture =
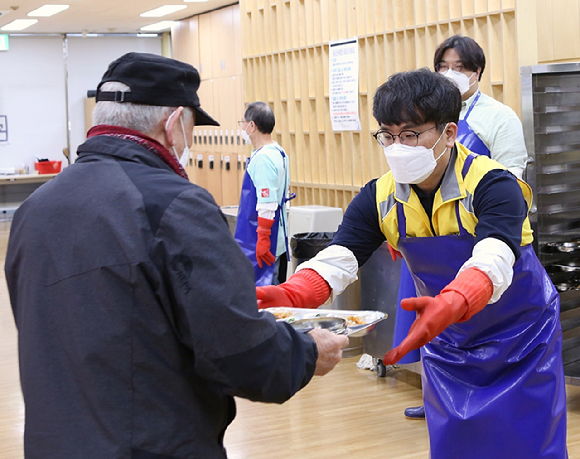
262	116
470	53
417	97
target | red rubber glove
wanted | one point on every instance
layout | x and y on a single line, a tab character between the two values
465	296
263	253
305	289
394	253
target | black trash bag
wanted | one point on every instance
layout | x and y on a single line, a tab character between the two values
305	246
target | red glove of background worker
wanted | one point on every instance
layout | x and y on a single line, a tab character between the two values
263	254
465	296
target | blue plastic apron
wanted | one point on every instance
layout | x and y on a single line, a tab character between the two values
466	136
247	224
404	319
492	386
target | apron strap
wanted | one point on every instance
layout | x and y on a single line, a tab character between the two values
467	164
402	221
472	105
285	199
464	171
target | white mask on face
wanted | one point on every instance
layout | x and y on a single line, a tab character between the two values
246	136
185	155
412	164
460	79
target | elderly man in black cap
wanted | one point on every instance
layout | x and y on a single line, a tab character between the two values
135	307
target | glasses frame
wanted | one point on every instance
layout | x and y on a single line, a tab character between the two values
452	67
384	131
241	122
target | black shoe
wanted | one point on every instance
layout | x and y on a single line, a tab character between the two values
415	413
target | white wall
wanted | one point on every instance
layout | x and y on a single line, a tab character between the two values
32	91
88	59
32	96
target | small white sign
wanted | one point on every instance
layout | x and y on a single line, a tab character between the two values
343	83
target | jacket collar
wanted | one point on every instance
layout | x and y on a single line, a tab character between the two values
449	187
141	139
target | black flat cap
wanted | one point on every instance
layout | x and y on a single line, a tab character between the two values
155	80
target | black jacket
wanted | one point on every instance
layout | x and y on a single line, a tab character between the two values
137	316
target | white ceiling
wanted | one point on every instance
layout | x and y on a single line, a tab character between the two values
99	16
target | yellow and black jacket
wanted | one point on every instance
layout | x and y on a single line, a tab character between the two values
492	203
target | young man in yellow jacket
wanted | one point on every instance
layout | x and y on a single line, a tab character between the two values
487	312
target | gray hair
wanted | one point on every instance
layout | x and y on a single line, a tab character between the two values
139	117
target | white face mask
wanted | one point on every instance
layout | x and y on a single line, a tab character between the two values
185	155
412	164
460	79
246	136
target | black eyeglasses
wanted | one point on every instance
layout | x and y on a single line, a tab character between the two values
406	137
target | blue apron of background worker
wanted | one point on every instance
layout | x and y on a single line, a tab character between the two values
404	319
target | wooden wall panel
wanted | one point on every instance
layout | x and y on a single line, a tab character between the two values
211	43
289	70
205	47
184	41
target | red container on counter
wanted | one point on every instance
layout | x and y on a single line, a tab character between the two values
48	167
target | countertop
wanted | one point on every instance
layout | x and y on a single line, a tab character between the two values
26	178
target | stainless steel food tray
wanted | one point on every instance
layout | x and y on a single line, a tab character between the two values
369	318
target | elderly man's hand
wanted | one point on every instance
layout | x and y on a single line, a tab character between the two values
330	348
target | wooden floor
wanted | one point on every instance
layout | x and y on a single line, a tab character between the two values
349	413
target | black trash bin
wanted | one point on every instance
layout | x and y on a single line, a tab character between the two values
305	246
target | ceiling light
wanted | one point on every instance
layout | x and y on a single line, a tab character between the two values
162	11
158	26
48	10
19	24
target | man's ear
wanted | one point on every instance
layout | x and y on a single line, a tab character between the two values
450	134
170	125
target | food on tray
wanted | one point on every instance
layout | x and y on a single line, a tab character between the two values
359	323
282	314
355	320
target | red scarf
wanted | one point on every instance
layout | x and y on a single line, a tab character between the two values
141	139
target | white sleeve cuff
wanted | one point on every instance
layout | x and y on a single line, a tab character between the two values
267	209
496	259
337	265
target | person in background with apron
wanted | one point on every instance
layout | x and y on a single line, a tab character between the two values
487	315
261	226
486	127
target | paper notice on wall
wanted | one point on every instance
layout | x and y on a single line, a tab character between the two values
343	84
3	128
